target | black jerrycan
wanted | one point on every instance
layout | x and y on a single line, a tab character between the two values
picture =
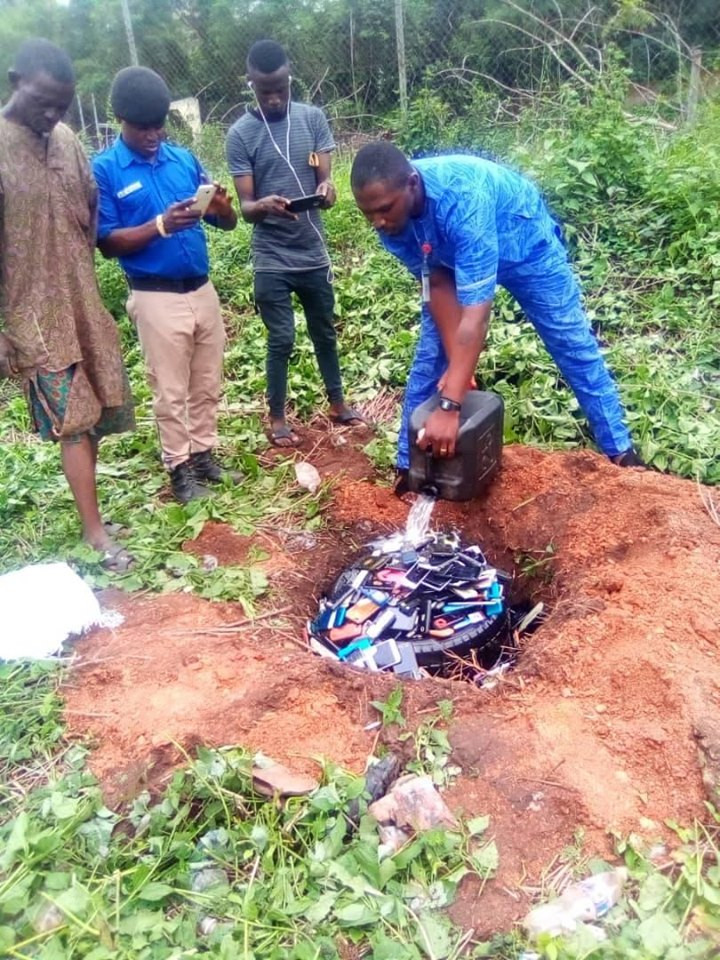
477	452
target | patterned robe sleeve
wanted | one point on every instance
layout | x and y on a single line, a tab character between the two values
91	193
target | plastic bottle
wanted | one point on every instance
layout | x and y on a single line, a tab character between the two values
478	449
581	902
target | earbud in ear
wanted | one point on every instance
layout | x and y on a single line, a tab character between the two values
251	85
289	79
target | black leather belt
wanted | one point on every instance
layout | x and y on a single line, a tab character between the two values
167	284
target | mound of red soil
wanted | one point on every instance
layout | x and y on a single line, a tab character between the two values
596	729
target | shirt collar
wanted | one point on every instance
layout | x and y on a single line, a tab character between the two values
126	156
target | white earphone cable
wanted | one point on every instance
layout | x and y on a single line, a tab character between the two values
286	157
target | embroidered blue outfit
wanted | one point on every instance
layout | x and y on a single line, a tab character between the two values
490	226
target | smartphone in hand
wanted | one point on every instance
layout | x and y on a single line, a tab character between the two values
204	194
300	204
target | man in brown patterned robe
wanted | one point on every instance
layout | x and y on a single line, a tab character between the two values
55	333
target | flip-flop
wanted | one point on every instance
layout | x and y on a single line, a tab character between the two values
284	433
348	418
116	559
113	529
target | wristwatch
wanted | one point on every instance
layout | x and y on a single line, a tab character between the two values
450	405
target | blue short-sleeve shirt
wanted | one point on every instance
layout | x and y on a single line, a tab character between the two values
480	219
134	190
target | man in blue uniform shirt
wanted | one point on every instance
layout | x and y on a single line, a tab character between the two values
462	225
147	193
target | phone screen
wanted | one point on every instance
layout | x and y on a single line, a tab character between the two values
299	204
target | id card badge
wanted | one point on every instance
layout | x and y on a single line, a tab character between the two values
425	272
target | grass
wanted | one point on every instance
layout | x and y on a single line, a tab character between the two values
31	730
210	867
652	284
661	339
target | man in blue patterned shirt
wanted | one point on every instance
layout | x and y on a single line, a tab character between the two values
463	225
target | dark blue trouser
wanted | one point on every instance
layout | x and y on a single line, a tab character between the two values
273	298
547	291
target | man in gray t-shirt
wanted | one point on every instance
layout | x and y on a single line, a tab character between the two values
277	151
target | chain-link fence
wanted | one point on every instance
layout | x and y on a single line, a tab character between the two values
364	60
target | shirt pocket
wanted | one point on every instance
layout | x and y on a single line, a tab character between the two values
136	207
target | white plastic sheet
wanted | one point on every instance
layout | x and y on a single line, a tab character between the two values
42	605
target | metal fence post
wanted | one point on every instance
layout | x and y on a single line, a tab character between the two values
80	113
693	84
129	31
402	62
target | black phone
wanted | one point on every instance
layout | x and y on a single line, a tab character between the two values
300	204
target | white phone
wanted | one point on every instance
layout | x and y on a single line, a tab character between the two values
204	194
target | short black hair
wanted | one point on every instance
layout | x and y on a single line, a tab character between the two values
139	95
380	161
38	55
266	56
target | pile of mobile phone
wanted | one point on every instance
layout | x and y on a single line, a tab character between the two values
404	608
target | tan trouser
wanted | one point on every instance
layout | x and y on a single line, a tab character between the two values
182	339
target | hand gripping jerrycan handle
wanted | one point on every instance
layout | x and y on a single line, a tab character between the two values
478	449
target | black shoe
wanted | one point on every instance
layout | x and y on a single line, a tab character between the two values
184	485
629	459
205	467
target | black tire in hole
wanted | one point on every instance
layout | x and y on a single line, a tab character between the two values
475	648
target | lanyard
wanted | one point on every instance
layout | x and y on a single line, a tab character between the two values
425	271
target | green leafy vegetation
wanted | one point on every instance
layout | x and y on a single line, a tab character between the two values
213	866
641	211
431	747
670	907
640	208
31	729
391	709
210	867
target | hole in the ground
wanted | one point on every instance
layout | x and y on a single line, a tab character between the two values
417	603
